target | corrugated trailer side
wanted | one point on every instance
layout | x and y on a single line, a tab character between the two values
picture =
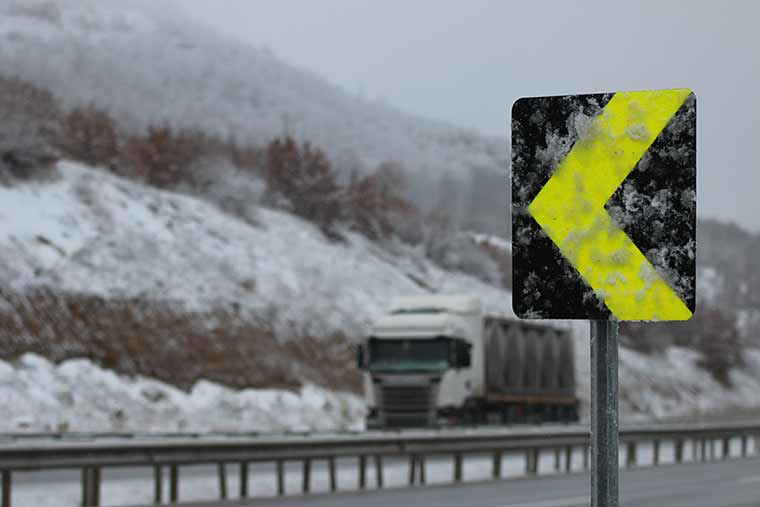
529	371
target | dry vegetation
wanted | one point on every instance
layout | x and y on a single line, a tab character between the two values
164	341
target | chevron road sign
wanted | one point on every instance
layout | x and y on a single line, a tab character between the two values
603	228
604	206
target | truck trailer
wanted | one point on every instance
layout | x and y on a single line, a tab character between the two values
437	360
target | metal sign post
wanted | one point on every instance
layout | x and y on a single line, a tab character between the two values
604	413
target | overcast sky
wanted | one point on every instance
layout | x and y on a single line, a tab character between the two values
465	62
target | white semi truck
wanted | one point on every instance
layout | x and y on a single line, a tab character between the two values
438	360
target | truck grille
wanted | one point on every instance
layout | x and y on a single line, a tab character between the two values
402	405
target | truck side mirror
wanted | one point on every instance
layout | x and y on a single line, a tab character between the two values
360	363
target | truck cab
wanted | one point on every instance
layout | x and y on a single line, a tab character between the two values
423	361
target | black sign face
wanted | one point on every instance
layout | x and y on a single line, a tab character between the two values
604	206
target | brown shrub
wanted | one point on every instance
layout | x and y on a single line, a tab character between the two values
246	157
375	204
162	157
300	179
89	135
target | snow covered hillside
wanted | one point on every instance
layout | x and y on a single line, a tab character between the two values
87	232
91	232
148	65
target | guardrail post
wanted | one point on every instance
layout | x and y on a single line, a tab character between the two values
656	452
280	477
585	456
703	449
244	479
497	465
412	468
6	488
568	458
362	472
630	454
458	467
90	486
306	475
744	446
96	474
157	485
421	462
379	470
173	483
557	458
712	448
531	461
333	479
222	471
726	448
678	444
85	473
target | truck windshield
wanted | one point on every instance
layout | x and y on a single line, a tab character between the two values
409	354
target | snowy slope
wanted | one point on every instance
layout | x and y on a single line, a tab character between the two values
148	64
88	231
91	232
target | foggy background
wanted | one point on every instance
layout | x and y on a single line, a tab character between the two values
465	63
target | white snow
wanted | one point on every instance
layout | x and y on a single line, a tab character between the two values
89	231
78	395
672	385
709	284
493	241
92	232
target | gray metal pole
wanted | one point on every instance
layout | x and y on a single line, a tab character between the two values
604	414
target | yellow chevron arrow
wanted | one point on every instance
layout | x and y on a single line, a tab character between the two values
570	207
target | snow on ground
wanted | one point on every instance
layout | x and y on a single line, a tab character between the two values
93	232
668	385
89	231
78	395
709	284
493	241
672	385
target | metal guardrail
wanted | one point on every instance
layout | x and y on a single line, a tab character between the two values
92	452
